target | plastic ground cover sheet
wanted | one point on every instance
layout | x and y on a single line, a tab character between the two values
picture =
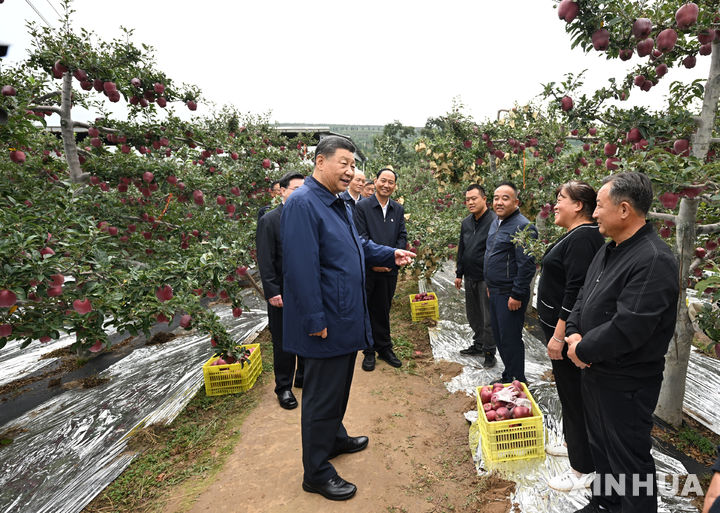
532	493
69	449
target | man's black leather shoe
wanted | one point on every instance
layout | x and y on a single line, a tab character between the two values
287	400
352	444
471	351
390	358
368	363
335	489
490	360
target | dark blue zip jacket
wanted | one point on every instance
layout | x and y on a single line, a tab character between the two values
324	274
508	269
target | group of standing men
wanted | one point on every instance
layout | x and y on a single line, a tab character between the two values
608	311
328	263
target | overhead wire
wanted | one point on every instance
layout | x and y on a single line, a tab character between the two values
38	13
53	8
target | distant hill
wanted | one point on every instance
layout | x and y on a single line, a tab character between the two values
363	135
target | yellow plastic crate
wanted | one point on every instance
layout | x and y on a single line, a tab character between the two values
424	309
233	377
512	439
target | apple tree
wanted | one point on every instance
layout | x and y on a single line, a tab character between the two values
139	221
675	146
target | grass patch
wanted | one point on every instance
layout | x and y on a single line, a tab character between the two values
196	444
691	438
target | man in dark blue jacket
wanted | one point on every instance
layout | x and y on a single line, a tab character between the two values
269	257
508	274
325	316
619	332
382	220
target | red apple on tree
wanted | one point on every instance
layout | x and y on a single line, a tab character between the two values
641	28
82	306
666	40
568	10
7	298
566	103
687	15
601	39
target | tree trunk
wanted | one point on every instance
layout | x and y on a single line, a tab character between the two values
68	133
672	394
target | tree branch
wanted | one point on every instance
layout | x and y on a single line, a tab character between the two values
47	96
708	228
661	215
45	108
100	128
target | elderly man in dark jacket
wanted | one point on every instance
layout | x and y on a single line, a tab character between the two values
474	231
381	220
618	332
325	317
269	257
508	273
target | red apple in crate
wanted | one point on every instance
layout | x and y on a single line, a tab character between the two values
502	413
492	415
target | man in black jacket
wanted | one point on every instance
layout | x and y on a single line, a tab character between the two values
382	220
618	332
269	256
470	259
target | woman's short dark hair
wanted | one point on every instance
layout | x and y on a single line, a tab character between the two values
633	187
330	144
580	191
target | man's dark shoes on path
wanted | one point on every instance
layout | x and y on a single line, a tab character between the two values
390	358
368	363
352	444
490	360
471	351
335	489
287	400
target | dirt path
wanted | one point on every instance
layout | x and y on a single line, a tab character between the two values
417	461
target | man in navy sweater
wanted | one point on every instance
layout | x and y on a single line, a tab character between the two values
381	220
508	273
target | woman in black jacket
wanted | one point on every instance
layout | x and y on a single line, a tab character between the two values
563	272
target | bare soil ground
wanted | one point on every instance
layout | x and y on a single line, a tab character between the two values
418	458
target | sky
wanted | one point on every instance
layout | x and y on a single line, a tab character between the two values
342	62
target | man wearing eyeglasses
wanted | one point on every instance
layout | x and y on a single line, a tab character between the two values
269	256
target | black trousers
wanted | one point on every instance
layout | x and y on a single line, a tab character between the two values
477	309
380	289
619	424
283	362
569	387
324	401
507	329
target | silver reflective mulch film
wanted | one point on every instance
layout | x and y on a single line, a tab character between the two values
70	448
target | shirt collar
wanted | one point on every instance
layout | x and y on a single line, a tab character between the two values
327	197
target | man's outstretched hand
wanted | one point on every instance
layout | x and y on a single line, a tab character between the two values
403	257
